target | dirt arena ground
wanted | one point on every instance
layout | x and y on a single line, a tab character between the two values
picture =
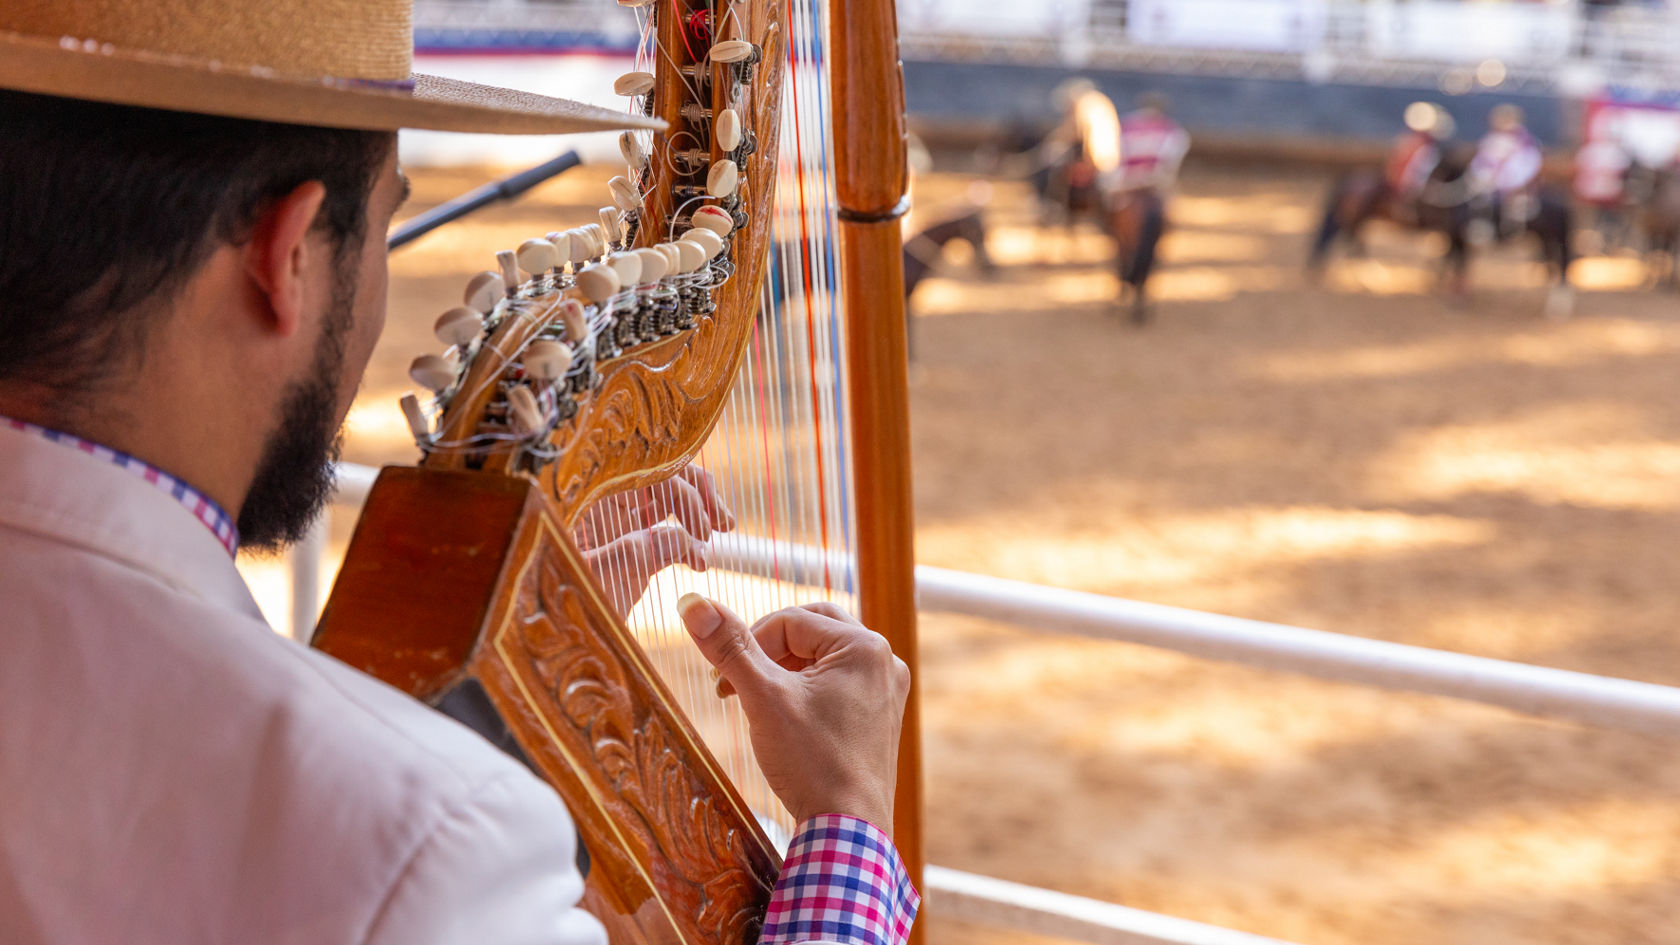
1356	456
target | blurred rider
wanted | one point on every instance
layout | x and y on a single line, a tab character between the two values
1085	145
1152	146
1416	154
1507	167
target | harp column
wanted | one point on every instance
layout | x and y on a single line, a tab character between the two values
871	183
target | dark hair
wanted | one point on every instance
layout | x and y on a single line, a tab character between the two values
106	209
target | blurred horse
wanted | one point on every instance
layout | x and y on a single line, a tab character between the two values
1448	206
1137	220
1658	221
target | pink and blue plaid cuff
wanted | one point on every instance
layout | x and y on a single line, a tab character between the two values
843	882
208	513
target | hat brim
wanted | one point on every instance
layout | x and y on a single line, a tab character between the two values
124	77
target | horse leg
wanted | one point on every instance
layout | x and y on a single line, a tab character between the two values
1328	228
1553	223
1143	259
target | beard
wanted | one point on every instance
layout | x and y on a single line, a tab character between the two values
296	473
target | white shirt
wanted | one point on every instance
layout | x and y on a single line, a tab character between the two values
173	772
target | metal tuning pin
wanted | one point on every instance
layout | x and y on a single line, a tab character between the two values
711	242
598	283
628	268
484	291
577	325
726	130
526	416
634	83
722	180
547	361
510	269
458	326
731	50
715	219
418	424
654	265
691	255
432	372
537	256
634	154
624	194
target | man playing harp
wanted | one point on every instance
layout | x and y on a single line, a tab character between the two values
192	280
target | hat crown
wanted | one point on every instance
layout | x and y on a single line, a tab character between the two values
369	40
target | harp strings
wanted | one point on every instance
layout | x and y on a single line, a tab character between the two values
778	456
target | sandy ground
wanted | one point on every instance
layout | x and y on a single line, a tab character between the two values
1356	456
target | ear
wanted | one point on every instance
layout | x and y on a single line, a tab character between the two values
279	257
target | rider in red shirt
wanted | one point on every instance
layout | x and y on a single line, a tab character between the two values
1152	146
1416	153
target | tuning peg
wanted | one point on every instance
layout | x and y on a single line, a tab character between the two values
634	83
673	257
611	225
418	424
458	326
597	234
726	128
598	283
711	241
562	243
577	324
731	50
624	194
722	180
484	291
691	254
581	246
547	361
634	154
509	264
432	372
715	219
537	256
636	3
527	417
654	266
628	267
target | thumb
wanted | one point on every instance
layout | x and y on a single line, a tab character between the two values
725	642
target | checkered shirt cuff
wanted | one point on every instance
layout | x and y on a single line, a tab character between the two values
842	882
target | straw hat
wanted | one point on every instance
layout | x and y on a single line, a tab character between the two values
334	63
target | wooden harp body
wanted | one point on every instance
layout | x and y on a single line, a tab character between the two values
464	583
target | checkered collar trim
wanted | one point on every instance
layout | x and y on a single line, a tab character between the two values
201	506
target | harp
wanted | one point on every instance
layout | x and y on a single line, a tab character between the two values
736	309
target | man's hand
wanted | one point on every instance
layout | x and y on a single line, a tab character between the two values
824	699
629	537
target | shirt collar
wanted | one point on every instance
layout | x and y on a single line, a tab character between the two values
199	505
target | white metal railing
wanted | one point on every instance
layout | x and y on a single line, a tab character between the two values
1599	701
1523	45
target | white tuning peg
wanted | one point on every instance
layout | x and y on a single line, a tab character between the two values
509	264
484	291
610	225
715	219
691	254
572	316
634	154
547	361
418	424
628	267
624	194
722	180
711	241
726	129
598	283
731	50
654	266
562	243
537	256
597	234
634	83
527	417
636	3
432	372
458	326
673	257
582	246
